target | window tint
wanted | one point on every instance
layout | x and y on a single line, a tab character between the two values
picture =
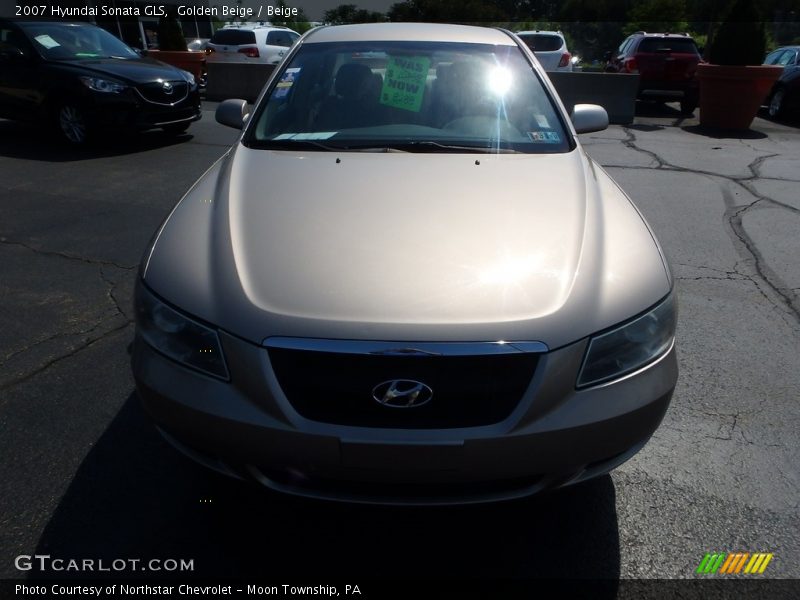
542	42
279	38
676	45
773	57
787	58
233	37
10	38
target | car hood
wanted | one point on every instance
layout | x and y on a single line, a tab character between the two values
130	70
404	246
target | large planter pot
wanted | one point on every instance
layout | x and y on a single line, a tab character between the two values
731	96
194	62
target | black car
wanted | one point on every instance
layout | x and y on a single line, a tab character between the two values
82	79
784	99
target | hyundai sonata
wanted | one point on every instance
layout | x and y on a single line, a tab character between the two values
406	282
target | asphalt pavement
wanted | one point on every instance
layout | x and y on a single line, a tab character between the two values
86	476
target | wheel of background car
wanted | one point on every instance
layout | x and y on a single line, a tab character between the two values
72	123
776	102
176	129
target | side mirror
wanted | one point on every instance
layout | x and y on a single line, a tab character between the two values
587	118
232	113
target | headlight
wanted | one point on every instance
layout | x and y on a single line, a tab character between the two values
189	78
180	338
103	85
630	346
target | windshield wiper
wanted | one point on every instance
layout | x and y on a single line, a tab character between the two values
429	145
410	146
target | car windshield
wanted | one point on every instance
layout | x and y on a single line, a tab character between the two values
542	42
233	37
408	96
55	41
677	45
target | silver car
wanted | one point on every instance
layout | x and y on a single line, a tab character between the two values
406	282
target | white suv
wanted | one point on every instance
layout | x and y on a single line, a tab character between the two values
550	49
251	43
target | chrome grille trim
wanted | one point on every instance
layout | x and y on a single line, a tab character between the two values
387	348
177	101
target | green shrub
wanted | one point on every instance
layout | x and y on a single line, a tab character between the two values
741	38
170	34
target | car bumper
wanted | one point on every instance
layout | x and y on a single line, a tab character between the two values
132	112
558	435
668	89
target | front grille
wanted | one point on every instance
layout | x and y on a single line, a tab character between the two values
468	391
155	92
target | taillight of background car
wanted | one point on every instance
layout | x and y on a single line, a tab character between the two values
565	58
249	52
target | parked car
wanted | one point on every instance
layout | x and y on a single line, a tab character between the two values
666	64
81	78
550	48
251	43
784	99
460	305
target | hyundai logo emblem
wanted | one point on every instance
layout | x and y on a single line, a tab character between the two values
167	87
402	393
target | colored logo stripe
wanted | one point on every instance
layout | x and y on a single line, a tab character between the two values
734	563
710	563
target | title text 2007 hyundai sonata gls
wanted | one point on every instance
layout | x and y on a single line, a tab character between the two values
406	282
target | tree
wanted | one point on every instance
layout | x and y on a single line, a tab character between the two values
449	11
298	22
658	15
350	13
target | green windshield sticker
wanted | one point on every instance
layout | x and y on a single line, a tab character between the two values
404	83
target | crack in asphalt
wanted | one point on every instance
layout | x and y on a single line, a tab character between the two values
55	336
89	341
91	261
57	359
789	303
111	287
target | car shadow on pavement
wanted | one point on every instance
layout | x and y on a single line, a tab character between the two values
792	120
32	142
134	497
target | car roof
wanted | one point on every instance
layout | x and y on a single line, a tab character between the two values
422	32
252	27
663	35
540	32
